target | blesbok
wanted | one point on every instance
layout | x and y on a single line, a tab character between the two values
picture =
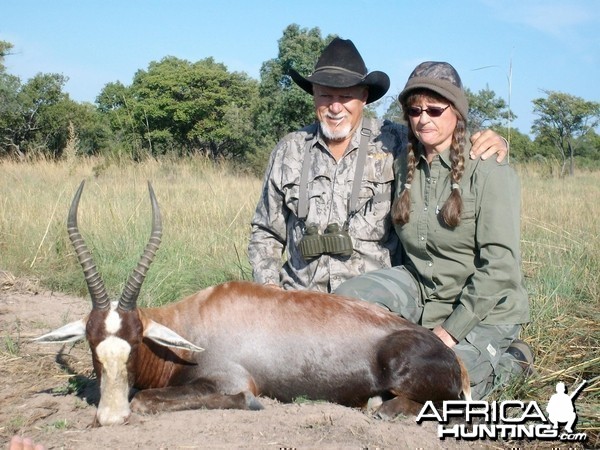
225	345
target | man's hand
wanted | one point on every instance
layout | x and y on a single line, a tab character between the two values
444	336
488	143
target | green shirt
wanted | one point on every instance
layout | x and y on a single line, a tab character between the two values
472	273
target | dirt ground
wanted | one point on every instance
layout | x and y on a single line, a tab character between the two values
48	392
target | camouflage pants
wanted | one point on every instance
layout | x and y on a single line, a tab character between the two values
483	350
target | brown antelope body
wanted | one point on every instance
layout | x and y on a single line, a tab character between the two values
227	344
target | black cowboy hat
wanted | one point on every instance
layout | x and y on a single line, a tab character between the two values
341	66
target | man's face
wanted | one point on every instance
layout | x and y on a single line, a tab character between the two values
339	110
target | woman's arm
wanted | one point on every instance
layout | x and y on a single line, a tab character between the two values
496	282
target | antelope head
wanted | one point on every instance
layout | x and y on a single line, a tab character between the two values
115	330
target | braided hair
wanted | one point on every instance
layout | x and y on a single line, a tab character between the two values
453	207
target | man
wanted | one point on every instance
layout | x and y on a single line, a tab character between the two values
327	191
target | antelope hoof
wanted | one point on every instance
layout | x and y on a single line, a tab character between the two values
252	402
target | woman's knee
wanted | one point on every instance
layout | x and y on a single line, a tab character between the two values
392	288
356	287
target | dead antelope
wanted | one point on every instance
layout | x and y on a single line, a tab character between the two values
225	345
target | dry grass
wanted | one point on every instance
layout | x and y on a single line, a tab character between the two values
206	213
561	263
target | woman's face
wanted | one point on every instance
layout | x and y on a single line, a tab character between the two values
435	133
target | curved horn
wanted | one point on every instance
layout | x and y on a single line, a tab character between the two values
92	277
128	299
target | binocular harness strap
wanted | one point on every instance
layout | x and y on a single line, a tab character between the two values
303	194
365	134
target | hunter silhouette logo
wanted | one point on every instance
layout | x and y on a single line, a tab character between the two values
561	407
508	419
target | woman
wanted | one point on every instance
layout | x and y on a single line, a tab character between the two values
459	223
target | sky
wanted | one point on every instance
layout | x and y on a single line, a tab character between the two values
517	48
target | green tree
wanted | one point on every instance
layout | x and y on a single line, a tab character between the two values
394	112
283	106
178	107
35	116
92	130
115	105
589	145
486	110
10	117
593	155
31	125
9	105
5	48
45	115
521	147
563	120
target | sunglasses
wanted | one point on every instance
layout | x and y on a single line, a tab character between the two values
432	111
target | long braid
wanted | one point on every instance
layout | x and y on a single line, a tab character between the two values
453	207
401	205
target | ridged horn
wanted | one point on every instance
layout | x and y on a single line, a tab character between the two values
128	299
94	282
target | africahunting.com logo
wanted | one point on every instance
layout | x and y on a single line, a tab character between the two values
510	419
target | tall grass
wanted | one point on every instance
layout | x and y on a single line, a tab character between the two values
206	213
561	263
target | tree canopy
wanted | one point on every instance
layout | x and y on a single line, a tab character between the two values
179	107
486	110
563	120
176	107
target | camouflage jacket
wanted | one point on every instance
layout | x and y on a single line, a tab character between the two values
276	228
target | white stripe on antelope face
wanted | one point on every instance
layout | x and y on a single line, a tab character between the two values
113	320
113	353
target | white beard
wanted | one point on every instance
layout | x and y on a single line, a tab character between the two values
339	134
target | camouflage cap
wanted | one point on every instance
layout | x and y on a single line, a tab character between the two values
441	78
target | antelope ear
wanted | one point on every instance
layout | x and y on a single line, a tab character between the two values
167	337
70	332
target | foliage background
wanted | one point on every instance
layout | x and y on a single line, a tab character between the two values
176	108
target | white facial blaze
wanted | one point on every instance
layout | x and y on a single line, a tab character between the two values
113	353
113	321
